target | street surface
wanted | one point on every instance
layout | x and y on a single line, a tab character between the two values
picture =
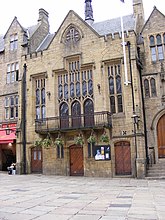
40	197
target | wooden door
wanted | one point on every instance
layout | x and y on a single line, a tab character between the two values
36	160
76	161
123	158
161	137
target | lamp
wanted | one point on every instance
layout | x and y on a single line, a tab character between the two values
9	130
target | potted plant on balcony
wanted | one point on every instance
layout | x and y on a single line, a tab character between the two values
104	138
58	141
38	143
91	139
79	140
46	143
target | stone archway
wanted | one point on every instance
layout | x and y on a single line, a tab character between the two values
161	137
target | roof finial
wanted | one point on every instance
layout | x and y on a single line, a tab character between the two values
88	12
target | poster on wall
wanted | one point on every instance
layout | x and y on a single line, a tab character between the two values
102	152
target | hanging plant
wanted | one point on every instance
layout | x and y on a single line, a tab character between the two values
58	141
104	138
79	140
91	139
38	143
46	142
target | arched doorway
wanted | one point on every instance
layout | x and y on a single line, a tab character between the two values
122	158
161	137
76	161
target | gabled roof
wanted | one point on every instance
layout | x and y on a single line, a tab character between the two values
154	9
15	18
45	44
114	25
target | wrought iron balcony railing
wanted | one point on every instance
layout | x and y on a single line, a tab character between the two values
55	124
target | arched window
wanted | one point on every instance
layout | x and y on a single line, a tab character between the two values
88	113
159	47
76	114
115	88
153	87
146	88
64	115
152	41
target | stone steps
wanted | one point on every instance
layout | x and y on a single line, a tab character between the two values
157	171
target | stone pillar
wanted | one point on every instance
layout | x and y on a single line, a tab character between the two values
140	168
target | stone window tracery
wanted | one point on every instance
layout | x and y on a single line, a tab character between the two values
72	35
115	89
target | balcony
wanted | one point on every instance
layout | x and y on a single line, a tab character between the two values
97	120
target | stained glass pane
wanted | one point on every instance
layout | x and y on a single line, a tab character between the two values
111	85
152	41
37	97
90	87
112	104
146	88
84	88
78	89
118	84
120	105
153	87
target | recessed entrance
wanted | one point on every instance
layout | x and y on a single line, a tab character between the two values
123	158
36	160
76	161
161	137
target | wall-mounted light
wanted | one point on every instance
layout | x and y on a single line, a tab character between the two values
48	94
99	87
10	130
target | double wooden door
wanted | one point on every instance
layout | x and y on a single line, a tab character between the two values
161	137
123	158
76	161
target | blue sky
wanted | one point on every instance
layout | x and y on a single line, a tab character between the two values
27	11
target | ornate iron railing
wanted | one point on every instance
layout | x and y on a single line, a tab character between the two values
55	124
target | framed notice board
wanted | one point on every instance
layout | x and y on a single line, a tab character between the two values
102	152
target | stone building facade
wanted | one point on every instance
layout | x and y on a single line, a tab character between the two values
89	104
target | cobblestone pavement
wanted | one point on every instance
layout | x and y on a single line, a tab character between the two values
40	197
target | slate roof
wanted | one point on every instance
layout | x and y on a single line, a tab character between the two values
114	25
102	28
44	45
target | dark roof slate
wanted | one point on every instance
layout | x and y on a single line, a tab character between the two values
114	25
44	45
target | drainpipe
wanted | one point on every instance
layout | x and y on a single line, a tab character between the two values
143	108
24	117
133	99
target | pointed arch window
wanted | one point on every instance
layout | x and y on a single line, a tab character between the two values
64	115
159	47
88	113
156	47
146	88
40	99
76	114
115	88
153	87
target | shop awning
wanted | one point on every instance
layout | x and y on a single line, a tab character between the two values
6	139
